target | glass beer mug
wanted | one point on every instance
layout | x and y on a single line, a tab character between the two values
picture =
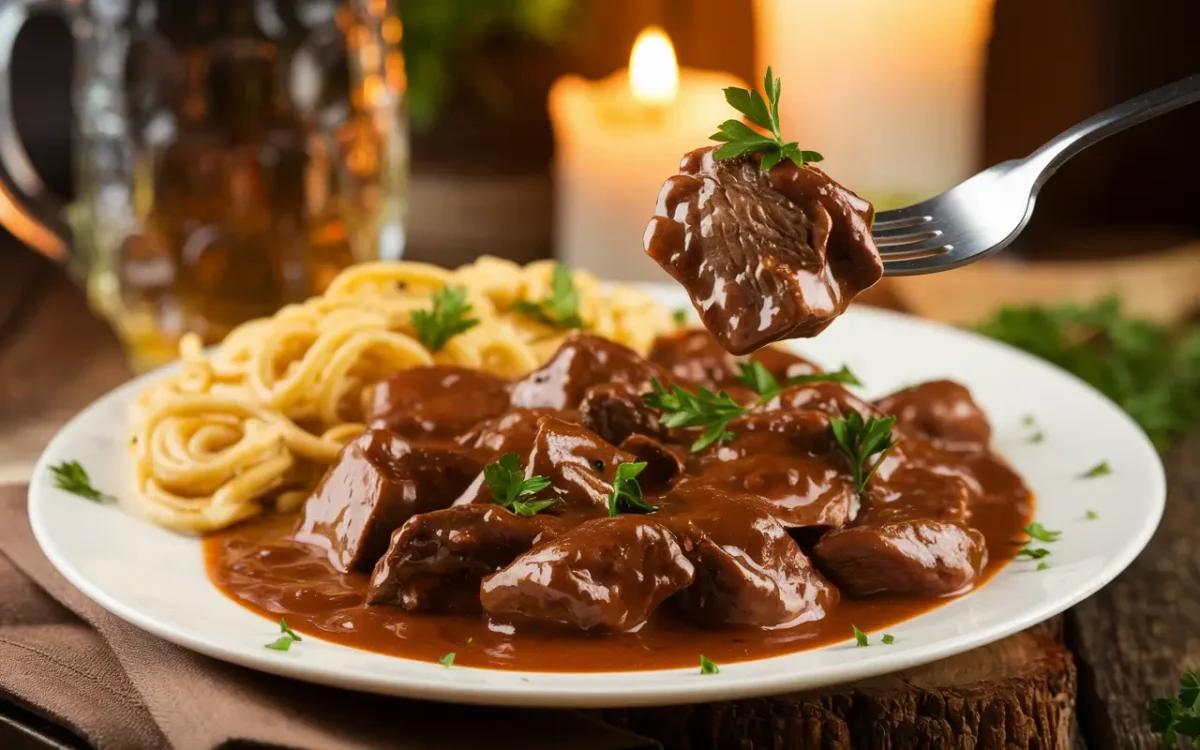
230	155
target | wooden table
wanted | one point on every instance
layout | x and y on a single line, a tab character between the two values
1128	643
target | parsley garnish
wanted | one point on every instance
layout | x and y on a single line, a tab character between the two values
561	308
447	660
445	320
1150	371
1092	515
1041	533
888	639
712	411
860	637
680	316
755	376
740	139
284	642
72	477
1178	717
1038	435
1034	554
1099	470
708	666
510	489
626	496
860	440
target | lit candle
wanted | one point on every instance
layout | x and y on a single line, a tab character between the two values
888	92
616	141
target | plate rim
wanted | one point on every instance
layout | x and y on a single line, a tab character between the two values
725	686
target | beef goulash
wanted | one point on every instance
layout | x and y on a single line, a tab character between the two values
613	512
572	520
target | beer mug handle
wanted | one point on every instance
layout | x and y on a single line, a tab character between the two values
27	209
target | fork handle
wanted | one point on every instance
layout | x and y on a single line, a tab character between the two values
1054	154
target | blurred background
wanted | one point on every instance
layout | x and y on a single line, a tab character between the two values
516	131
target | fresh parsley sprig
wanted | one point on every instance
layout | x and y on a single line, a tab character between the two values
561	308
627	496
445	320
708	666
1178	717
712	411
860	638
70	476
1101	469
1039	532
284	642
740	139
1033	553
860	440
512	490
755	376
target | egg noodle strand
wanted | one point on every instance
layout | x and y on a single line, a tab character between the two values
253	423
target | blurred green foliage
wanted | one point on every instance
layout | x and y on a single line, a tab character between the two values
1150	371
440	37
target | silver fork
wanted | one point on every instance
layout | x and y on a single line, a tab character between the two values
985	213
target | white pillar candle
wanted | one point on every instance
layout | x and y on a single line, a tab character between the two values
616	141
887	90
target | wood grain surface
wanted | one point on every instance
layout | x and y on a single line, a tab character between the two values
1130	641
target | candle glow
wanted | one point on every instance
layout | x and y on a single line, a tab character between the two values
653	70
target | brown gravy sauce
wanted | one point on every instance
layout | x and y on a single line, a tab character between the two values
257	566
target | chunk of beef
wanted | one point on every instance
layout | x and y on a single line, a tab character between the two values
748	570
941	411
911	538
580	465
607	574
782	432
695	357
510	432
581	362
915	492
663	464
783	364
799	490
614	411
828	398
441	401
436	560
378	482
764	256
922	557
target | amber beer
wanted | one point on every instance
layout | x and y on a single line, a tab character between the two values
233	156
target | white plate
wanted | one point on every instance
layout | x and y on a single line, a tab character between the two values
155	579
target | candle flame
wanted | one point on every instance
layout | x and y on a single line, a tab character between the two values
653	71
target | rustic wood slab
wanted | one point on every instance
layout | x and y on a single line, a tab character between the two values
1136	636
1016	694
